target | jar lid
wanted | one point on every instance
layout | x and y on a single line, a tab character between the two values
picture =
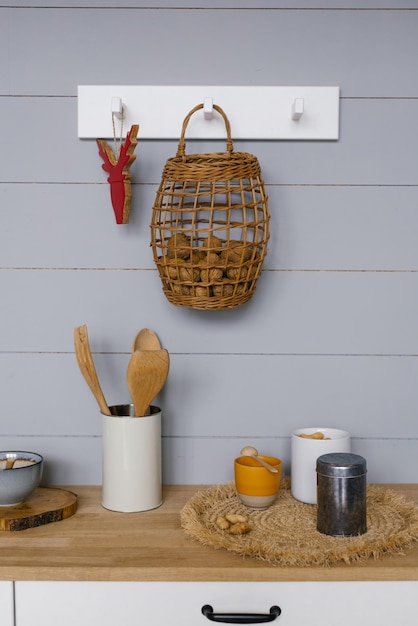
341	465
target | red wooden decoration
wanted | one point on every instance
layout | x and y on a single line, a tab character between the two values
119	177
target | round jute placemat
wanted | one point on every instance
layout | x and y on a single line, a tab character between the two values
285	533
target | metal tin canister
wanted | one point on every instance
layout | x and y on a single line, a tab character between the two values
341	494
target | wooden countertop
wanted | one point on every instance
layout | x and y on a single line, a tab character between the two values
100	545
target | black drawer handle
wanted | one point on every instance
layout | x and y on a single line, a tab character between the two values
241	618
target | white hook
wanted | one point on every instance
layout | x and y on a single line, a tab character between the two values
297	109
208	108
117	107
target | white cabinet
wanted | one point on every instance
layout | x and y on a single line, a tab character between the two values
180	603
6	603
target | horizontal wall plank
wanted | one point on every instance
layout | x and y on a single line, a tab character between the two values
338	45
191	461
77	460
75	227
319	5
220	396
291	312
376	147
4	51
67	460
312	228
343	228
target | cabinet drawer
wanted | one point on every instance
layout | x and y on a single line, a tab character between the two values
180	603
6	603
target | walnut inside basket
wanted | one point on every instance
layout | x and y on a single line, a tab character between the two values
210	226
216	268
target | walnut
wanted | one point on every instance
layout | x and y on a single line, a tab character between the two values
236	252
211	275
172	269
201	291
196	255
224	289
189	274
178	246
181	290
214	243
209	259
236	273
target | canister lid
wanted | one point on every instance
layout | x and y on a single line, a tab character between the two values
341	465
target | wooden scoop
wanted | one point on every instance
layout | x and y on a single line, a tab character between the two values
9	463
146	374
87	368
146	339
250	451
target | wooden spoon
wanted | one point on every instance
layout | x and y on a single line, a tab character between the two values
250	451
9	463
146	374
87	368
146	339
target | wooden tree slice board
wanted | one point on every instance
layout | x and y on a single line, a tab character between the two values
44	505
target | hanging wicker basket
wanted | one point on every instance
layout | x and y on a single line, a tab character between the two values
210	226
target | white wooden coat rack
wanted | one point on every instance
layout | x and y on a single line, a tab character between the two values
266	113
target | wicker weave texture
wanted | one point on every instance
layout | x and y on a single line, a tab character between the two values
285	534
210	226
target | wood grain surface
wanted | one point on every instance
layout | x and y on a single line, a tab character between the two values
96	544
44	506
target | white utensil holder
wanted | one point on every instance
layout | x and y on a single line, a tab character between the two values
132	472
304	453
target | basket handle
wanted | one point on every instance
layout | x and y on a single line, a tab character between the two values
181	149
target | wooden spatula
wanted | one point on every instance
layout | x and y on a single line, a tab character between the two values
87	368
146	339
146	375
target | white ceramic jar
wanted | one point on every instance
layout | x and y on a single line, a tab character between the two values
132	473
303	456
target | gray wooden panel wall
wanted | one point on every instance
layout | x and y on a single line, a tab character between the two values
331	336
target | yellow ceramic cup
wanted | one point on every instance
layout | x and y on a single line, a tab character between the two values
256	486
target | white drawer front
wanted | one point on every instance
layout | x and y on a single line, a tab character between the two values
6	603
180	603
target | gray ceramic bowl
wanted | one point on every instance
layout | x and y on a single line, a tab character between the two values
18	482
